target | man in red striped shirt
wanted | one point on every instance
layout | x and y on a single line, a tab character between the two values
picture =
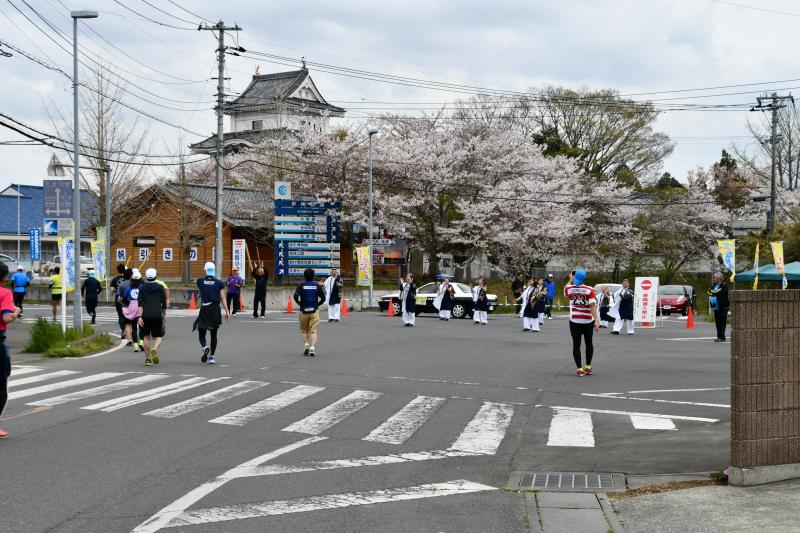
583	319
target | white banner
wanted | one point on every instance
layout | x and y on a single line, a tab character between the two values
645	300
238	255
167	254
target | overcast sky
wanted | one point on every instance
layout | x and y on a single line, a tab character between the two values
635	46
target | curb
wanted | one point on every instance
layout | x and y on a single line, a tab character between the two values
610	514
122	343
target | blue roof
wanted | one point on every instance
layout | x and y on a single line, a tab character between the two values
32	209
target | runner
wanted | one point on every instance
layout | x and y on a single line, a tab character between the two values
55	291
309	295
333	295
19	282
212	296
583	319
8	313
551	295
115	281
90	289
152	313
130	309
408	301
260	291
234	284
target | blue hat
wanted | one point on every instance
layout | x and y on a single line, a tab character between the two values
580	277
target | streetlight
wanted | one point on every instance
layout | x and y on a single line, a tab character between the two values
369	222
76	179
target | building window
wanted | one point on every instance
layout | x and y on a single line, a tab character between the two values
257	125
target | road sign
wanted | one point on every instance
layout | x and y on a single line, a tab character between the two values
380	242
50	226
36	244
58	198
65	228
283	190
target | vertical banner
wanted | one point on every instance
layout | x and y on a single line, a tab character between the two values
777	253
66	249
727	249
36	244
363	257
238	255
99	259
645	301
755	268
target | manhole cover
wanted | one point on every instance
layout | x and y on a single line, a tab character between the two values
570	481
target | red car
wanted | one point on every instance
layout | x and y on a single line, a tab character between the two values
673	299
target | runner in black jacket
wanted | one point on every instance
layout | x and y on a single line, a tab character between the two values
152	308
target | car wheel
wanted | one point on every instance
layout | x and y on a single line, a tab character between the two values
396	309
685	311
459	311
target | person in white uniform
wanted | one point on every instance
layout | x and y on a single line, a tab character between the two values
408	301
333	295
623	309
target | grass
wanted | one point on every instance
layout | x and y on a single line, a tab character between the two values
81	347
661	487
48	339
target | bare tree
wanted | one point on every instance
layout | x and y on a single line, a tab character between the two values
788	163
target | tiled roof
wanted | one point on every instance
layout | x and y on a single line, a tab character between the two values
269	89
31	208
231	138
241	207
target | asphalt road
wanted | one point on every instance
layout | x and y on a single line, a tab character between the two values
387	429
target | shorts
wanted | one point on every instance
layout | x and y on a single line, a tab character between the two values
309	322
152	327
56	297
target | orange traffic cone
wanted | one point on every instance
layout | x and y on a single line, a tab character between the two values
344	307
241	302
391	308
192	304
690	320
289	309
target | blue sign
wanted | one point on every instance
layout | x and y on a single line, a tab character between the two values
50	226
36	244
57	198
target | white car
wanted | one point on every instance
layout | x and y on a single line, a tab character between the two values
87	264
462	300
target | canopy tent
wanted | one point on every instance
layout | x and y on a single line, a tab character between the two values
770	273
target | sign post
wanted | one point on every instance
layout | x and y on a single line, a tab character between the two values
645	301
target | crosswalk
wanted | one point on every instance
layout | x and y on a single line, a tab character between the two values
482	434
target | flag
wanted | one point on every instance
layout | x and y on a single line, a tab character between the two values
727	249
755	267
66	251
99	259
777	253
364	256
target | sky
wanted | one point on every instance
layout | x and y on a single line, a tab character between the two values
633	46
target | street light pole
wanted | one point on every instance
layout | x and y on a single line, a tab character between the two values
369	222
76	175
108	229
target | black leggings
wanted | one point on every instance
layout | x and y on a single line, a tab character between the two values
721	320
213	346
5	371
578	330
233	302
259	299
18	298
120	316
91	306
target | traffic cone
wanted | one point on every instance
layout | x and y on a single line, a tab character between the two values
344	307
241	302
690	320
289	309
192	304
391	308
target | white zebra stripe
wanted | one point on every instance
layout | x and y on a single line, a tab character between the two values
97	391
571	428
651	422
145	396
486	430
400	426
41	377
22	370
24	393
247	414
329	416
199	402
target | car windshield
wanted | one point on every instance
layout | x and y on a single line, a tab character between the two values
464	288
668	290
428	287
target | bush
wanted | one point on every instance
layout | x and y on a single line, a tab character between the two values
82	348
46	335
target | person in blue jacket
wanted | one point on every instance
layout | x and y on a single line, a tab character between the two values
550	285
19	282
309	295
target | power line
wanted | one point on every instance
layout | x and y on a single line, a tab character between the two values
187	11
765	10
154	21
167	13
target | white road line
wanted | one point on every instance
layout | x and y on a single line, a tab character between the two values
115	404
63	384
674	390
678	402
97	391
330	501
22	370
571	428
684	339
167	514
649	422
41	377
486	430
269	405
329	416
400	426
629	413
199	402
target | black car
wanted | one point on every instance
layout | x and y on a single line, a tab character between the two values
462	300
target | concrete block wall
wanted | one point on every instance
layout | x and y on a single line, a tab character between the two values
765	381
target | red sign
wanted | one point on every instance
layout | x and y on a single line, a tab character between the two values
646	284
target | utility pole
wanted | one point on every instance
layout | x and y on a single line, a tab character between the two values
774	104
220	157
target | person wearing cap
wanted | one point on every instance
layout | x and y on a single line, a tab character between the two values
90	289
622	312
583	318
550	285
19	282
130	308
212	297
234	284
151	315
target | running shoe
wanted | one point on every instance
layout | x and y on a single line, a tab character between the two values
587	370
212	360
135	347
206	351
121	335
141	345
312	352
580	373
307	349
129	343
3	433
615	332
147	362
154	353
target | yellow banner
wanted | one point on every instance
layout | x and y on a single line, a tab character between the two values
727	250
364	266
755	268
99	260
777	254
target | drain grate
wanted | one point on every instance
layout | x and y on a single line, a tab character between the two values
572	482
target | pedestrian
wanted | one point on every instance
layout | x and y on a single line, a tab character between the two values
8	313
333	295
408	300
480	306
719	302
550	284
528	310
115	281
541	304
234	284
19	284
260	291
212	296
517	288
309	295
151	315
55	291
583	318
622	312
444	300
90	290
605	301
130	308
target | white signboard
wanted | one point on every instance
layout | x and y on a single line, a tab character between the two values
167	254
68	256
283	190
238	254
645	301
144	253
122	255
193	253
